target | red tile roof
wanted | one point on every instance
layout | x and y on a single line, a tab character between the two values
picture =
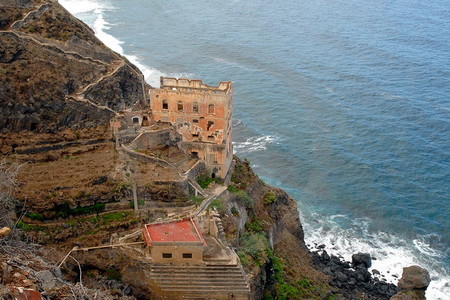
184	230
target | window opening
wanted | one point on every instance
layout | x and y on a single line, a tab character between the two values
210	124
211	109
180	106
187	255
195	107
167	255
135	120
165	104
195	121
145	121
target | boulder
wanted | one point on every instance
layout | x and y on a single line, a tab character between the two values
413	284
359	259
4	231
47	279
413	278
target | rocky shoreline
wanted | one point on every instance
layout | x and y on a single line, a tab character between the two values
353	279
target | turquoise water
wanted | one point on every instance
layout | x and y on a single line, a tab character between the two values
346	106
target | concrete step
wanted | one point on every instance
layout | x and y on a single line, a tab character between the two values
210	289
205	271
198	278
202	282
238	281
193	267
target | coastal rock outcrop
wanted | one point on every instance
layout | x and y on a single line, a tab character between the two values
362	260
413	284
353	279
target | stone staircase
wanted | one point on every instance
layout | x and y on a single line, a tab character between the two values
200	282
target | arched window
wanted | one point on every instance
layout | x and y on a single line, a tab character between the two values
211	109
195	107
180	106
165	104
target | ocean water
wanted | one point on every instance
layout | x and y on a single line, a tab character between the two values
344	104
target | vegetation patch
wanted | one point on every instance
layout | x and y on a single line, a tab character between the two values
269	198
35	216
197	200
113	274
255	226
244	199
30	227
217	203
232	188
284	288
253	247
204	181
65	211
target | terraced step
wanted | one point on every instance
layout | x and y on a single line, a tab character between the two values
200	281
194	268
235	280
203	283
237	271
209	289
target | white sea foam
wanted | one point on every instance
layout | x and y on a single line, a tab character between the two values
253	144
79	8
392	253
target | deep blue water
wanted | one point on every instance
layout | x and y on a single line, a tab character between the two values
346	106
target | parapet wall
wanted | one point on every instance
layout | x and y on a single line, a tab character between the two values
194	84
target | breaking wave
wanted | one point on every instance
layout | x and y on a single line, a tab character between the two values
344	236
91	12
253	144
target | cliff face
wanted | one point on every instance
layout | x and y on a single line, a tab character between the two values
263	224
60	87
56	73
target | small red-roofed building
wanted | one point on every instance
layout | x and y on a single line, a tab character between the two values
175	242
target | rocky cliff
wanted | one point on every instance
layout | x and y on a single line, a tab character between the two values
60	89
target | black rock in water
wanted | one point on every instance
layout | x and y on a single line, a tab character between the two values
353	283
359	259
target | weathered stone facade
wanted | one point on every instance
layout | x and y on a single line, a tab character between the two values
202	114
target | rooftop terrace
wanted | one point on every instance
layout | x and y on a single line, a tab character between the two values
184	230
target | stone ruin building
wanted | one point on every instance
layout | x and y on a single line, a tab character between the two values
202	114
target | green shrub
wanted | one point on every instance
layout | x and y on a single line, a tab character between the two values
244	199
217	203
122	187
232	188
255	226
197	200
204	181
269	198
30	227
243	258
235	211
35	216
254	245
114	216
113	274
64	210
